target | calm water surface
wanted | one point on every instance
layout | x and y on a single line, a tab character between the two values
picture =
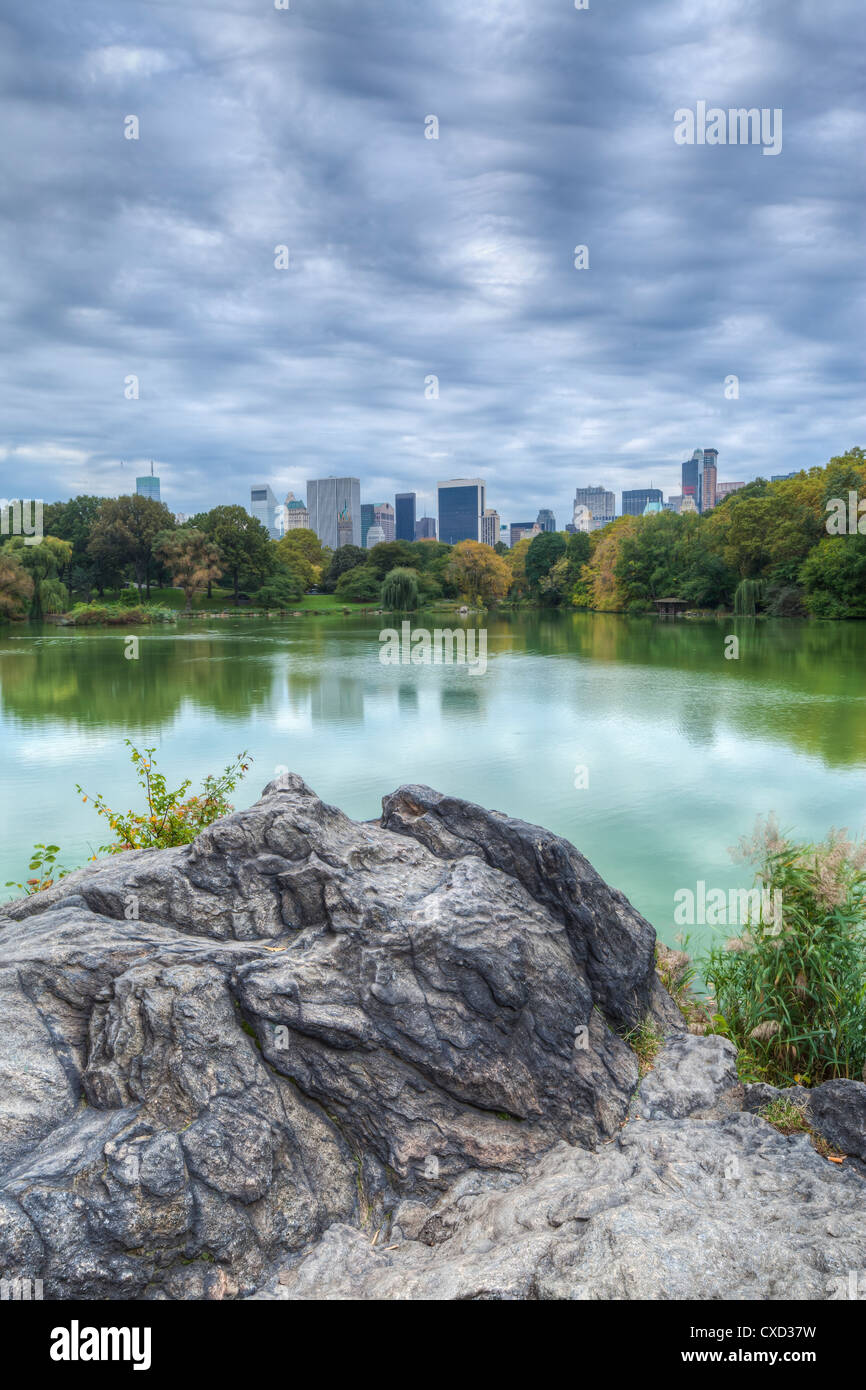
683	749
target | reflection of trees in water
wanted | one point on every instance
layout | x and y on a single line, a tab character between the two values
806	678
462	697
86	679
798	684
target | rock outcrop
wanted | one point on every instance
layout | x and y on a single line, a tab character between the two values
254	1053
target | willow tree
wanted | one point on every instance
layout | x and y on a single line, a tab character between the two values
400	590
747	596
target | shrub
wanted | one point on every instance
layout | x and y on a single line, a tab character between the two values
791	994
169	819
119	615
282	590
360	584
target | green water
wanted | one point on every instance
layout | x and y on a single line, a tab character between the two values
683	748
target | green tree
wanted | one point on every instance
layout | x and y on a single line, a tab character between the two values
281	590
389	555
124	534
543	553
305	543
360	584
243	543
400	590
345	558
834	577
74	521
44	563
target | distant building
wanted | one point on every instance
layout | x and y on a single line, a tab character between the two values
725	489
368	519
404	516
699	474
295	514
674	502
634	499
148	486
375	536
599	502
461	506
383	513
181	517
490	526
520	530
688	503
425	528
332	499
583	519
692	472
708	479
783	477
654	505
545	520
264	507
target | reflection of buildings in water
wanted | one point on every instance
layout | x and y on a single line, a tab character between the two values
462	697
335	697
407	698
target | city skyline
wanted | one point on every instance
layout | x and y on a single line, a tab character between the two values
428	309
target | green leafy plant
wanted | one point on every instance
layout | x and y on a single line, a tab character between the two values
645	1041
792	994
172	817
42	861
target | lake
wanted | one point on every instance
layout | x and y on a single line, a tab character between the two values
680	747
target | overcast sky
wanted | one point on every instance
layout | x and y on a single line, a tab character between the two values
411	257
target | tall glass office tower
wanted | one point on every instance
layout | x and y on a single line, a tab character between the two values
461	504
327	499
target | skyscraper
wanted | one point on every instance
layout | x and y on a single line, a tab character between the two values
295	514
384	515
635	499
375	536
425	528
546	520
263	506
148	486
521	529
368	519
599	501
708	479
326	499
490	526
699	475
461	504
404	516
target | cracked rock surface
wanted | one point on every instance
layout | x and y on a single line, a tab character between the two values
305	1057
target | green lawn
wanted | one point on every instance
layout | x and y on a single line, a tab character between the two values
328	602
222	600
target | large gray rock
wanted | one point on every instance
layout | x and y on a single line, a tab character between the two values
305	1057
210	1055
836	1110
688	1202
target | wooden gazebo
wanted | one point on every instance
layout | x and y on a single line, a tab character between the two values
670	607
